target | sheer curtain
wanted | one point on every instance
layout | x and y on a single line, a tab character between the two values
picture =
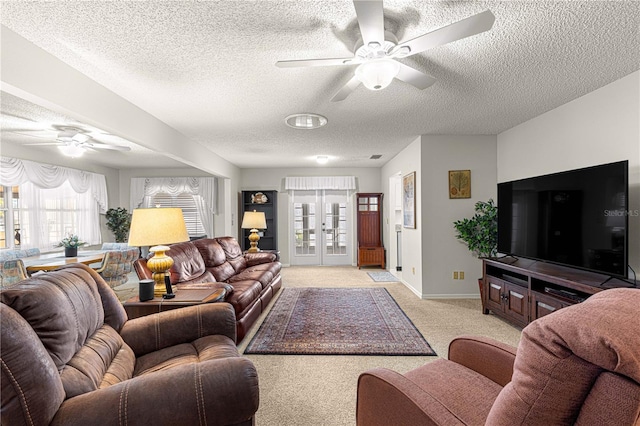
55	200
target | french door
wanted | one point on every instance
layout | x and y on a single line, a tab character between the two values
321	228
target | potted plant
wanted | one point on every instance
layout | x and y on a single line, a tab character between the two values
480	233
119	222
70	243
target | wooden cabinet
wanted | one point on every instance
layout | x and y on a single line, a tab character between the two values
260	201
523	290
370	248
509	299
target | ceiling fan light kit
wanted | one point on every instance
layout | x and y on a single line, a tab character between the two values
378	48
305	121
322	159
72	150
377	74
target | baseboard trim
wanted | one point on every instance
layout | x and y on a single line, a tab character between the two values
413	290
451	296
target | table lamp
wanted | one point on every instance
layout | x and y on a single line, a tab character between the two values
154	227
254	220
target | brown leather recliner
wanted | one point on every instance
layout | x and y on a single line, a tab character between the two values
579	365
69	356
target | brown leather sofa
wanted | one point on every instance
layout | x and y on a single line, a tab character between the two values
69	356
251	279
579	365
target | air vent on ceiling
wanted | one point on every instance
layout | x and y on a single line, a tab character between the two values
375	157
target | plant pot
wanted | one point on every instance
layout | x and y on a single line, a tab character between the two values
70	251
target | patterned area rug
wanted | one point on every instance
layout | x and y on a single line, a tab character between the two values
337	321
383	276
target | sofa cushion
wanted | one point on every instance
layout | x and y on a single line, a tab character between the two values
102	361
187	262
273	267
222	272
263	277
233	252
245	293
62	313
211	252
203	349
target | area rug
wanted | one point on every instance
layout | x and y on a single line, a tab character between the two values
337	321
383	276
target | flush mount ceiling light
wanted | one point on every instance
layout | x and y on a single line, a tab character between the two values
305	121
378	74
322	159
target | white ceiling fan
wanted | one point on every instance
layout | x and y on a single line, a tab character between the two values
72	141
376	52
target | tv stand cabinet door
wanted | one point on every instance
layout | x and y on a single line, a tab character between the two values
542	305
516	303
494	290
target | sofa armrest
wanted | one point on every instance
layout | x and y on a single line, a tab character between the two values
485	356
221	391
154	332
259	258
386	397
142	270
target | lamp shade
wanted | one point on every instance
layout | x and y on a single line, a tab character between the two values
254	220
157	226
377	74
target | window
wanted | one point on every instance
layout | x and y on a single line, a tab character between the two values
10	234
32	217
189	210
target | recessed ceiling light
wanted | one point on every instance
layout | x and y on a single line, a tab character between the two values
305	121
322	159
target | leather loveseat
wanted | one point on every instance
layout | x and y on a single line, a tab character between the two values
69	356
251	279
577	366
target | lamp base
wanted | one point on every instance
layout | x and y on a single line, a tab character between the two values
159	264
253	241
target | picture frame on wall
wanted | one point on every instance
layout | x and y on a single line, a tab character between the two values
459	184
409	200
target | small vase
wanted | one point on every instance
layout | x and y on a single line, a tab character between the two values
71	251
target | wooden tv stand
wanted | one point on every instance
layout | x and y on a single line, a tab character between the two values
522	290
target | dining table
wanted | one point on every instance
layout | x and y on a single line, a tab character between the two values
53	261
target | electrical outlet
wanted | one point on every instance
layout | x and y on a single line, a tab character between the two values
462	275
413	270
455	275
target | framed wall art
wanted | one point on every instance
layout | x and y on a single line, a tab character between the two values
459	183
409	200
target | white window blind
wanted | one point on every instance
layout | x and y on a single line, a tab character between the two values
189	210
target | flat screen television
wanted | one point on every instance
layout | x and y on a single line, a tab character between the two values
577	218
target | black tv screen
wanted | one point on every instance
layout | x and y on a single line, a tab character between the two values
577	218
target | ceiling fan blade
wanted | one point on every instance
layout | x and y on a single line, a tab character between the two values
415	77
111	147
41	134
371	20
346	89
472	25
317	62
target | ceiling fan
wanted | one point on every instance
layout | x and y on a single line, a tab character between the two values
376	52
72	141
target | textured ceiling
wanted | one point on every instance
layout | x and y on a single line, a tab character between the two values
207	68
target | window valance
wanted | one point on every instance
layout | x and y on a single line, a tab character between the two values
14	172
320	182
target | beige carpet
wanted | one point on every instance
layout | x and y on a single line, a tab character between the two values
321	389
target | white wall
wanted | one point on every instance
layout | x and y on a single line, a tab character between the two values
368	180
442	253
600	127
407	161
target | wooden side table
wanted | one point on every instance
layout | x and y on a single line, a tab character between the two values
184	297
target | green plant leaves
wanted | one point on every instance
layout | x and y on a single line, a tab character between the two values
480	232
119	221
